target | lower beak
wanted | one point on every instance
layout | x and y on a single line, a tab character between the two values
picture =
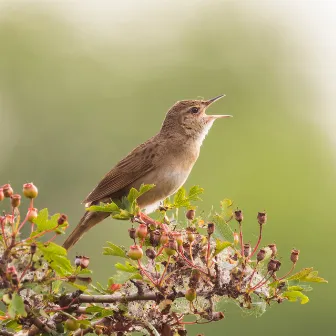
210	101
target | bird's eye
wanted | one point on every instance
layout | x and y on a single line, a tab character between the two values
194	110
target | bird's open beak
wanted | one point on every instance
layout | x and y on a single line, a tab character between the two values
210	101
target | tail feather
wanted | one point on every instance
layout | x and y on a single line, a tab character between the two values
89	220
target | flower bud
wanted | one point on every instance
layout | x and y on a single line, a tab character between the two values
194	278
190	236
261	255
142	231
273	248
30	190
190	294
236	238
247	249
114	287
62	219
7	190
135	252
154	238
273	265
172	247
2	196
15	200
238	214
262	218
11	270
190	214
164	238
132	233
211	228
33	248
178	237
150	253
294	256
84	262
32	214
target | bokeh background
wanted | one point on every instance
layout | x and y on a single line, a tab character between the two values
83	82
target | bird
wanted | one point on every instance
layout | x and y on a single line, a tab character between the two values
164	160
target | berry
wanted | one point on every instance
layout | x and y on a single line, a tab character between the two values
190	214
32	214
142	231
190	294
71	324
30	190
135	252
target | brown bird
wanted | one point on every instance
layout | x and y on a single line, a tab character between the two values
164	160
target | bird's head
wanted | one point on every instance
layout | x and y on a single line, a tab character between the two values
189	117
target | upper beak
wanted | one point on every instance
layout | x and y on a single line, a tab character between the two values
210	101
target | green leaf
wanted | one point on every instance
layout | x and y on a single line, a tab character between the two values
101	311
180	197
114	250
293	296
227	210
57	258
16	307
307	275
127	267
104	207
144	188
194	193
123	277
43	222
220	246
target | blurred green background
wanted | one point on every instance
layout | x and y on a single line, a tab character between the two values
78	92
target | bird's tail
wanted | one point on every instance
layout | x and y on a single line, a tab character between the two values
89	220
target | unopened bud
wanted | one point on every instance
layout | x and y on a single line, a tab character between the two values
164	238
15	200
33	248
294	256
172	247
190	294
247	249
32	214
273	265
190	236
261	255
30	190
135	252
273	248
11	270
194	278
2	196
262	218
238	214
236	238
211	228
84	262
142	231
178	237
190	214
62	219
150	253
154	238
132	233
7	190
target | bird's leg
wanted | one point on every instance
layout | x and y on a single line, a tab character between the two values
151	221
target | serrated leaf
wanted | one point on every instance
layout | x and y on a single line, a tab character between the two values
144	188
127	267
293	296
180	197
57	258
307	275
16	307
123	277
43	222
220	246
194	193
104	207
133	195
101	311
114	250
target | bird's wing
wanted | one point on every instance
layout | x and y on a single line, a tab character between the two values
135	165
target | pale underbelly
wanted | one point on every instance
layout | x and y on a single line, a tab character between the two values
166	184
